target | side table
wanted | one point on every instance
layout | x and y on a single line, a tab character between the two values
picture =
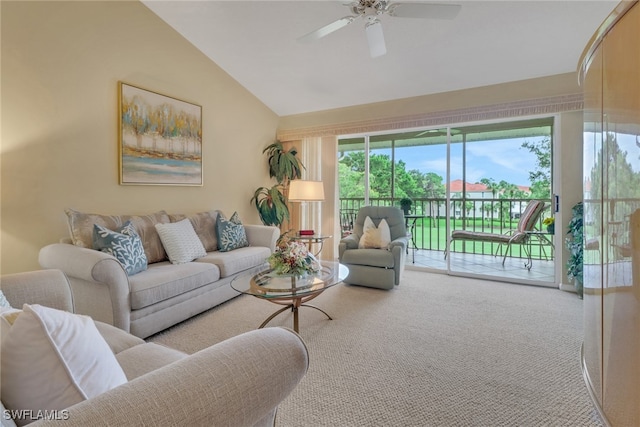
410	223
288	291
310	240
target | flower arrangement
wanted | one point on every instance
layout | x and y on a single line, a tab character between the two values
291	257
549	223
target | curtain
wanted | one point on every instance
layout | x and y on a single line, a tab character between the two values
318	155
311	157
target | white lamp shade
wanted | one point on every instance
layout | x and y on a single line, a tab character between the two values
306	191
375	37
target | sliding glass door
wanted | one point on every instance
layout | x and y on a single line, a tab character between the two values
497	170
478	178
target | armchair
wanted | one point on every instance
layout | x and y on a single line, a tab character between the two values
240	381
376	268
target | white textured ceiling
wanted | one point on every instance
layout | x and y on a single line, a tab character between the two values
489	42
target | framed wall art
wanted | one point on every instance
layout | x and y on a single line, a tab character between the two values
160	139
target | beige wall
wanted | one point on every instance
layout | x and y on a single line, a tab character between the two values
561	84
61	63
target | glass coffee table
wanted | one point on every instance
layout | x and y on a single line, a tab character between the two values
290	291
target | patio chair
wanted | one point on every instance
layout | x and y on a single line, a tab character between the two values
347	219
520	235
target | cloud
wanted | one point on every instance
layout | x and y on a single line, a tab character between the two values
505	153
500	160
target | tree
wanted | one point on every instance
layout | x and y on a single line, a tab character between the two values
351	182
508	192
351	171
621	182
406	182
492	185
433	187
540	177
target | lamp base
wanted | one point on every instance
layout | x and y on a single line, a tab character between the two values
306	232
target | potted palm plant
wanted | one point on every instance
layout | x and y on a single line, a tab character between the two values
405	205
284	166
574	243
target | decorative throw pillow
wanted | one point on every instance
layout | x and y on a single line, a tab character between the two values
231	233
52	359
375	237
7	317
204	223
124	244
180	241
81	230
3	301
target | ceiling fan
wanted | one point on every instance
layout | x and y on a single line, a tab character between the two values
371	10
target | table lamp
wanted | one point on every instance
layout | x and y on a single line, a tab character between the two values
306	191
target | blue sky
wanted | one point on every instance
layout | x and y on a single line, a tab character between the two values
501	160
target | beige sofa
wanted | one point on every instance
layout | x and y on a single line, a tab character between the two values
165	293
238	382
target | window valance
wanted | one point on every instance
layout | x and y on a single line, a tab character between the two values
530	107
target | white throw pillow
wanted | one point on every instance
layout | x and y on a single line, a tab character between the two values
180	241
52	359
375	237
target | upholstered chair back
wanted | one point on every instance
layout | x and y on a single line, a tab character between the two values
393	216
530	216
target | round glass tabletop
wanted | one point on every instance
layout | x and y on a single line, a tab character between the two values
263	283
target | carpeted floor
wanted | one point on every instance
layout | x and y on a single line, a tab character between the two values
436	351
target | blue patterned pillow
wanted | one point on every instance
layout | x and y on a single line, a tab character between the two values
231	234
3	301
124	244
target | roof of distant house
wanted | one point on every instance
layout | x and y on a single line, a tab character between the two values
456	187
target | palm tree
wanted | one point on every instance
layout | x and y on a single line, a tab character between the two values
284	166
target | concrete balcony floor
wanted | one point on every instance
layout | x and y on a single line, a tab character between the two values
542	272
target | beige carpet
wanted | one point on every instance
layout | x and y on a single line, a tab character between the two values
436	351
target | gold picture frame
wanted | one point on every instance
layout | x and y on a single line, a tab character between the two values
160	138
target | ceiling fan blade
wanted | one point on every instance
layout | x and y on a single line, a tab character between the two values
424	10
327	29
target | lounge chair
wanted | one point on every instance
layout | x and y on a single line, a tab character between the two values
519	235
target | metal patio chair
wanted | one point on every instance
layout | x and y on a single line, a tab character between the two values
519	235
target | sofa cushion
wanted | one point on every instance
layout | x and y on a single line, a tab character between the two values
204	223
164	280
124	244
117	339
180	241
231	233
144	358
238	260
81	230
52	359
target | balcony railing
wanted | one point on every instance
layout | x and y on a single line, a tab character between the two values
493	215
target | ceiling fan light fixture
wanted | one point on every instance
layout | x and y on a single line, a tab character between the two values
375	38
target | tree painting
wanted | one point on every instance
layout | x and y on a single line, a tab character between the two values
160	139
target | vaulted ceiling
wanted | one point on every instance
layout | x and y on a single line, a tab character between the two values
489	42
